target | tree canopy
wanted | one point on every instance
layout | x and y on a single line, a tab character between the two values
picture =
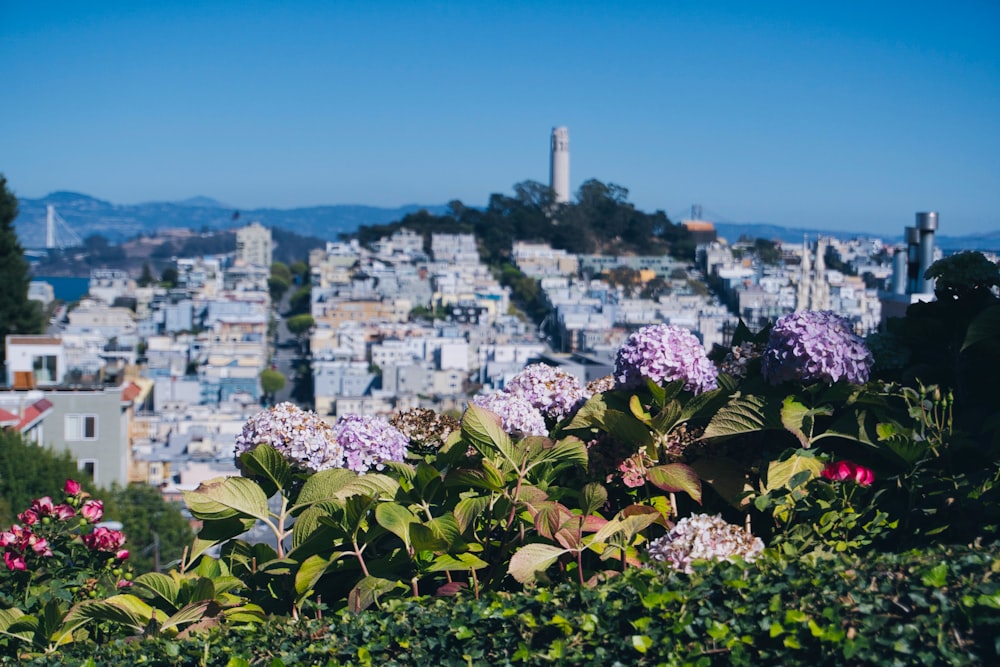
17	313
601	220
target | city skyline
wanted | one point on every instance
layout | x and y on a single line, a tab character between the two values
849	116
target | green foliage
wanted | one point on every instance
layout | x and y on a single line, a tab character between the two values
271	381
935	607
157	531
27	472
299	302
17	313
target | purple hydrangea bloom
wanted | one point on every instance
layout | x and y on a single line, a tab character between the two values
302	437
552	391
664	353
815	346
367	442
517	414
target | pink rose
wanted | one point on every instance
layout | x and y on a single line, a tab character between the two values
848	471
7	538
14	563
104	539
28	517
43	506
64	511
92	510
72	487
121	554
39	545
123	583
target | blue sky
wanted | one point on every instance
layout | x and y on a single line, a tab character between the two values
850	115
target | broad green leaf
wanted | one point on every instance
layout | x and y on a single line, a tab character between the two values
396	519
627	526
307	523
338	484
248	613
189	614
638	410
726	476
594	495
367	591
482	428
799	419
125	609
487	477
310	572
985	327
15	623
439	534
531	559
667	417
452	562
742	414
676	477
549	518
858	425
590	414
161	586
225	497
781	471
467	510
569	450
268	467
627	428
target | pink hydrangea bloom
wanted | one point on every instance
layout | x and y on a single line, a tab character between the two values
664	353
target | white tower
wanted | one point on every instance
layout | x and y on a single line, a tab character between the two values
559	164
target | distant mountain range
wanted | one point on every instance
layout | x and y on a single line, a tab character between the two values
85	216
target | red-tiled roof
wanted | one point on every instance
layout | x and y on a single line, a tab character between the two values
8	418
130	391
33	414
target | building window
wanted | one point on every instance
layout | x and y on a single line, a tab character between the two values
88	467
44	368
81	427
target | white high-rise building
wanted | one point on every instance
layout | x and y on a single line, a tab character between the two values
254	245
559	164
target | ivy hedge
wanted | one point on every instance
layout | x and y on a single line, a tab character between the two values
939	606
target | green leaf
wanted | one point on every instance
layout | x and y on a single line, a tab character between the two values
439	534
309	573
667	417
627	428
488	477
676	477
726	476
594	495
742	414
590	414
160	585
467	510
705	401
452	562
225	497
985	327
639	411
367	591
531	559
267	467
125	609
627	525
15	623
338	484
396	519
642	643
781	471
482	428
799	419
189	614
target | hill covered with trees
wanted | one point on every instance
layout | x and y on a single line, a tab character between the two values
600	220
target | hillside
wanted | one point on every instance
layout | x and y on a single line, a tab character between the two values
118	222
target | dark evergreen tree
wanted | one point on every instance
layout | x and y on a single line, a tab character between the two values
17	313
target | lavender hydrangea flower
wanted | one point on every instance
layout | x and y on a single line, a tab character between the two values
664	353
302	437
704	537
517	414
813	346
367	442
552	391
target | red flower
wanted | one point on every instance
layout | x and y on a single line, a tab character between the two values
848	471
72	487
28	517
104	539
64	511
14	563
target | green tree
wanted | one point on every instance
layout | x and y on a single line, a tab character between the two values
157	531
300	271
271	382
27	472
276	287
169	277
17	313
301	301
146	278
